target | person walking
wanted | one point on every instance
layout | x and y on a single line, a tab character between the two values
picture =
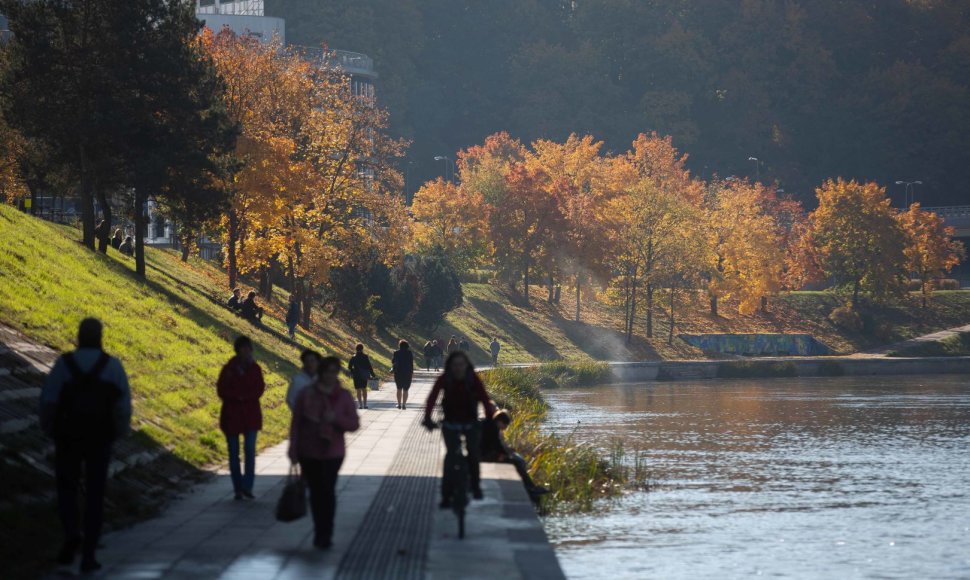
240	387
463	344
85	406
310	359
494	348
453	345
321	416
437	355
463	390
428	352
402	365
292	316
361	371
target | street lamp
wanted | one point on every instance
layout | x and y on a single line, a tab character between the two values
909	190
757	168
448	163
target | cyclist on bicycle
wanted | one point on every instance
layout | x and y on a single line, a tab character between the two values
463	391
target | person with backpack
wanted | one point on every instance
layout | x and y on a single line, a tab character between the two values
85	406
361	371
240	387
402	365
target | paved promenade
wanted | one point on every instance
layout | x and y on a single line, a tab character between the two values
387	525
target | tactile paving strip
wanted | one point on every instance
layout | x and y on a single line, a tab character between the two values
393	540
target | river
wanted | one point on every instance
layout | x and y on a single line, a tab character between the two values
858	477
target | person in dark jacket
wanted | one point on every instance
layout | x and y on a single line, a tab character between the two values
494	349
453	345
323	412
463	344
437	355
72	450
234	303
402	365
116	239
495	449
463	390
293	316
428	352
127	247
240	387
250	310
361	371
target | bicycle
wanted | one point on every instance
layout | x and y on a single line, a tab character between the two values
456	473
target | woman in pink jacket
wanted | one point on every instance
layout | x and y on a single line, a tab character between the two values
323	412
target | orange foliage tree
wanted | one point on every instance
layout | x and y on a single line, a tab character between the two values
930	249
451	218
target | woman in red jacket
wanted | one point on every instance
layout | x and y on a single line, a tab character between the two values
240	386
323	412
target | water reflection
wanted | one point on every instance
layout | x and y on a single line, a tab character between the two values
804	478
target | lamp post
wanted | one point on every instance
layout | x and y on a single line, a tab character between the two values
909	189
448	163
757	168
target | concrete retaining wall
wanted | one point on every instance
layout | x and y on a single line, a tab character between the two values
788	366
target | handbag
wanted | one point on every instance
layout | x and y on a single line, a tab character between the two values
292	504
374	384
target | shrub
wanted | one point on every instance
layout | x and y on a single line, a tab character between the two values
846	318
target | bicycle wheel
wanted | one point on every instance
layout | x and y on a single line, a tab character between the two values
459	495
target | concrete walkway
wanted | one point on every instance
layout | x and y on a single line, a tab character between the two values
932	337
387	524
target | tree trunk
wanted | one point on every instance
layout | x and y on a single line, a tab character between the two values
551	296
713	305
855	294
104	236
139	232
649	310
634	292
306	294
525	281
233	233
670	335
923	290
579	284
764	304
87	208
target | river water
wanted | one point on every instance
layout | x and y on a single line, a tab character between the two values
856	477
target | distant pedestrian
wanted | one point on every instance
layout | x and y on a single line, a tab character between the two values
116	239
361	371
494	348
310	359
101	231
402	365
240	387
463	345
127	247
293	316
85	406
250	310
235	300
428	353
438	355
321	416
463	391
453	345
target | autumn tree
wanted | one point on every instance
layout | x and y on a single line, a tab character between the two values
858	238
452	218
930	249
525	225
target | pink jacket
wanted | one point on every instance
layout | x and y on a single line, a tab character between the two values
319	423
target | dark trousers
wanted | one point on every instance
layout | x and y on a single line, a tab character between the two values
320	476
520	466
71	459
472	445
242	479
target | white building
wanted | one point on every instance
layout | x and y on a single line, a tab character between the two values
244	17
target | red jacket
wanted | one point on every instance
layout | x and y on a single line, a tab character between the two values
240	386
319	423
461	398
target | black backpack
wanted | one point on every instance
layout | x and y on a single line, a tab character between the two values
85	408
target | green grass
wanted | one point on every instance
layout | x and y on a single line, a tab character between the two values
170	331
955	345
577	474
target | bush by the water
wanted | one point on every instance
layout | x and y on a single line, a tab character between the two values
576	374
577	474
